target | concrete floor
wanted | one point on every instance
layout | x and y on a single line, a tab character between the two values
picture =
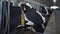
50	29
57	20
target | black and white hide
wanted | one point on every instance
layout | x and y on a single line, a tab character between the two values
46	11
35	18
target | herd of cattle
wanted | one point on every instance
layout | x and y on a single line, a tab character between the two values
32	17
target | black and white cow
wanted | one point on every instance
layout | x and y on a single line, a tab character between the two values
33	17
46	11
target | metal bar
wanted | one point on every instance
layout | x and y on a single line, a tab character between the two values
8	15
5	13
7	18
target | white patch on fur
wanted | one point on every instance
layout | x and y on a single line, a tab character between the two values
43	26
25	3
29	22
43	18
29	5
19	26
47	13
